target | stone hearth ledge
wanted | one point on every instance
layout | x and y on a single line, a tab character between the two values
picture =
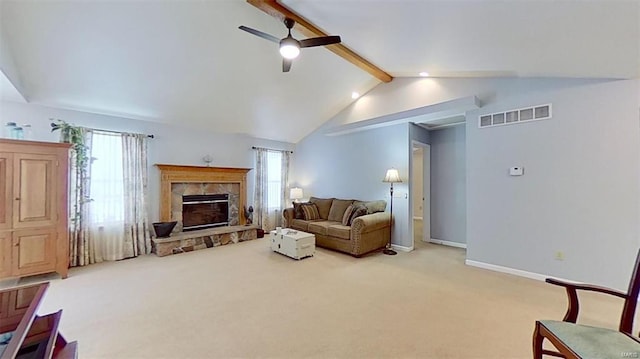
205	238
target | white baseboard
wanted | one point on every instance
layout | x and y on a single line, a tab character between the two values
448	243
401	248
518	272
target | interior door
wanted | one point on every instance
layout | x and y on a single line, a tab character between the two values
6	193
34	251
426	191
34	188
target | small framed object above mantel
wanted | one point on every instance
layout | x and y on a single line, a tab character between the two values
176	174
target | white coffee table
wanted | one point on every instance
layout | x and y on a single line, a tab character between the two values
293	243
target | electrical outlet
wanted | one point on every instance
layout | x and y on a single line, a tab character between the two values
559	256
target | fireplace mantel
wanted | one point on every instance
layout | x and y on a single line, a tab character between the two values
170	174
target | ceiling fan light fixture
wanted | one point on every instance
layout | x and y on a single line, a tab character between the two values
289	48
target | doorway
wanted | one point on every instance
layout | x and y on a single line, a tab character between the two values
421	193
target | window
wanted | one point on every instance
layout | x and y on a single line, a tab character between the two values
274	179
106	173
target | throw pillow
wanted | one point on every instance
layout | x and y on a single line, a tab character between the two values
374	206
297	210
323	204
338	206
347	215
357	212
310	211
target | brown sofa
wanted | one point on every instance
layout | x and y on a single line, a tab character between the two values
367	233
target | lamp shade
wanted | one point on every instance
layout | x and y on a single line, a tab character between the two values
392	176
296	193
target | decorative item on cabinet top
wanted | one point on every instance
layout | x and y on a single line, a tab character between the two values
17	132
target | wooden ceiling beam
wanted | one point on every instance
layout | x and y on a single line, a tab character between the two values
280	12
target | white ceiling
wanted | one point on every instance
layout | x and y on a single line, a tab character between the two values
539	38
185	62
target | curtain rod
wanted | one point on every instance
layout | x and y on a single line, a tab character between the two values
270	149
111	131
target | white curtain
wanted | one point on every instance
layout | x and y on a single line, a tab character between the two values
136	227
261	193
272	176
284	192
81	248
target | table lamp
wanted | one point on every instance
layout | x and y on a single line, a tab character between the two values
296	194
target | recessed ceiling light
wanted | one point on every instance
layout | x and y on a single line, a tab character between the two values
355	95
424	74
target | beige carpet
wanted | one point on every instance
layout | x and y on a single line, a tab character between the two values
245	301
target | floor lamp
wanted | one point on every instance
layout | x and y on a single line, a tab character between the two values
391	177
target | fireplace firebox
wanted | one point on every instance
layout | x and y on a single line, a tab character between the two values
204	211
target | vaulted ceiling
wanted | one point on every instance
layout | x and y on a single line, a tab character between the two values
186	62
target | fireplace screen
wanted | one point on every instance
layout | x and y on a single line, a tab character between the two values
205	211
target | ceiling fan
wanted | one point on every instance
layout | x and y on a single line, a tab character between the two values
290	47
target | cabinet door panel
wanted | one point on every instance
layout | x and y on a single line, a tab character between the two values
5	254
35	187
6	184
34	252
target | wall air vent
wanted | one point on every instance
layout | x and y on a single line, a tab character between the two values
541	112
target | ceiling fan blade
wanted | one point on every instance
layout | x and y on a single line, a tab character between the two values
320	41
286	65
260	34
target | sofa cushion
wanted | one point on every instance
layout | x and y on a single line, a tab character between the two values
358	211
300	224
340	231
374	206
320	227
347	215
338	206
324	205
310	211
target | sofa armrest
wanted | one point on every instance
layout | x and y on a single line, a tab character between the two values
370	222
288	215
370	232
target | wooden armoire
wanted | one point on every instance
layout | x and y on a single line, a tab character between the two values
34	180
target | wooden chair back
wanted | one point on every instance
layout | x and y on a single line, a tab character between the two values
631	301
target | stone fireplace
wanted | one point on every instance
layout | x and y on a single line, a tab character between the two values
192	182
207	203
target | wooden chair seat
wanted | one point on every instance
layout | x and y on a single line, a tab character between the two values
592	342
575	341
